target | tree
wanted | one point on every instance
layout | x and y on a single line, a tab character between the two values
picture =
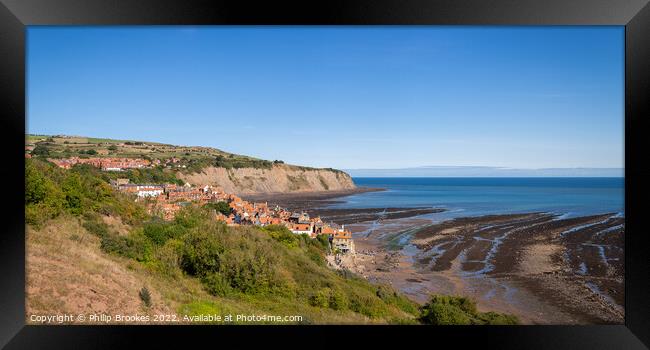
221	207
43	198
74	192
41	150
36	185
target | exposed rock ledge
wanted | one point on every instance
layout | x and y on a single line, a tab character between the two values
280	178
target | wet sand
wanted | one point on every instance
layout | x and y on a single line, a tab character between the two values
350	216
544	269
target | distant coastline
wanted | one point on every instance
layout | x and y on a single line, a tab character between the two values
485	171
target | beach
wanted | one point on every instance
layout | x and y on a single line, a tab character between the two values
519	264
545	268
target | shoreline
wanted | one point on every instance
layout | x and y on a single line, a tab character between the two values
543	267
521	264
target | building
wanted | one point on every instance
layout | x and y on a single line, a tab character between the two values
342	241
142	191
301	228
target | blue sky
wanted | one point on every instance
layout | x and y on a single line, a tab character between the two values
342	97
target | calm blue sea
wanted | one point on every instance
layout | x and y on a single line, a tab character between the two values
479	196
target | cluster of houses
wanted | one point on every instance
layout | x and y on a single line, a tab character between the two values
167	199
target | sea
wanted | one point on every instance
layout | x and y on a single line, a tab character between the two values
471	196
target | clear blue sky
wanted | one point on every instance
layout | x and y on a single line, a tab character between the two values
343	97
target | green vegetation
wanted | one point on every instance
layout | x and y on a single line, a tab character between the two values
196	164
450	310
90	152
35	138
41	150
51	191
221	207
248	269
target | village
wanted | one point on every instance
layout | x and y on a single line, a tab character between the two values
165	200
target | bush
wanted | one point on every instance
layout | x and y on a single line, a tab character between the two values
324	242
44	200
221	207
41	150
145	296
134	246
250	270
282	234
245	259
95	227
338	300
159	232
367	305
451	310
74	193
169	258
445	314
191	217
316	255
217	285
391	297
493	318
320	298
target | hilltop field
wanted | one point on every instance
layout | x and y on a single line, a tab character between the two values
193	157
199	165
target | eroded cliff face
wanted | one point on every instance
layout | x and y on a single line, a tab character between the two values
280	178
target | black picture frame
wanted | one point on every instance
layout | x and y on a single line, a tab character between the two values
15	15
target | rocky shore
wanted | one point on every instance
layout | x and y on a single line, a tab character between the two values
540	267
544	268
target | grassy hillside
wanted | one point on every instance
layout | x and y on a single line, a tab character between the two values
193	158
92	250
84	236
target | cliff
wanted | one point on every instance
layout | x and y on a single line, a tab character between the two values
197	165
279	178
